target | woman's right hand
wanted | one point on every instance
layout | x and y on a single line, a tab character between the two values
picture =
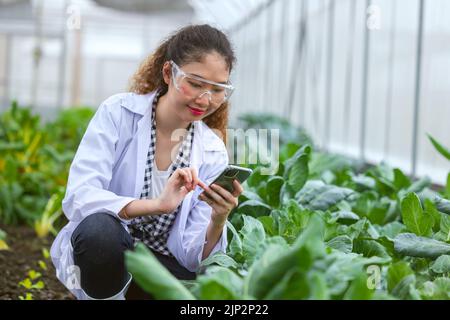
180	183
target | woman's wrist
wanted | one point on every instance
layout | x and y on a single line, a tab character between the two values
142	207
217	224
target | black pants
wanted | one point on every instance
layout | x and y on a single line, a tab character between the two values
99	242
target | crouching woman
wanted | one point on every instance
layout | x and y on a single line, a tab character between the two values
142	165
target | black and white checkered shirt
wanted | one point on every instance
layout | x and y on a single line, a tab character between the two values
154	230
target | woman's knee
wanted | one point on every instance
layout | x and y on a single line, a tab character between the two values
99	243
101	237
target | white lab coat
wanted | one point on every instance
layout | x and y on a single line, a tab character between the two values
107	173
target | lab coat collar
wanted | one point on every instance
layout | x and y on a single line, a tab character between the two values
138	103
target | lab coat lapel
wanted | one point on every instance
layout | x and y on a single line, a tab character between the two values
197	153
143	143
196	160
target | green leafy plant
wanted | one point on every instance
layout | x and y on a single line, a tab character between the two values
3	244
445	152
34	163
28	296
414	217
28	284
45	224
316	230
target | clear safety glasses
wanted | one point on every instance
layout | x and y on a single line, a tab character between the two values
195	87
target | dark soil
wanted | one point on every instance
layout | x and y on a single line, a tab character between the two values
25	250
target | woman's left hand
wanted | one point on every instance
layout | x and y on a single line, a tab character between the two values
221	201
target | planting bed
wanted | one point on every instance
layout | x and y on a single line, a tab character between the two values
25	251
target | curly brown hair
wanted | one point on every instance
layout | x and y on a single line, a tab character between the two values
189	44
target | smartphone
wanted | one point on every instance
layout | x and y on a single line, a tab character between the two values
229	174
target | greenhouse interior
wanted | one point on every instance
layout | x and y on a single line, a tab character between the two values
332	118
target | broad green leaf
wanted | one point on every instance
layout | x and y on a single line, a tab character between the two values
249	195
384	187
273	189
311	189
380	210
329	198
427	194
383	295
442	205
418	185
221	259
292	286
318	196
288	150
253	236
289	163
391	230
357	229
318	286
296	169
268	224
289	221
405	288
214	290
261	189
439	289
409	244
270	268
153	277
415	219
321	162
387	243
235	246
254	208
342	243
219	283
396	272
359	290
341	268
363	181
256	178
442	288
401	181
441	265
430	209
439	147
328	177
382	170
286	193
369	248
345	217
447	188
445	228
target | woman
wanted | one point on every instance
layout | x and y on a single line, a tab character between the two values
142	170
